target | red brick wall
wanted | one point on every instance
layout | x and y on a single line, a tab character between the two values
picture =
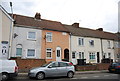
101	66
26	64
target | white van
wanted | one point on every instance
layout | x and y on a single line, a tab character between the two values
8	68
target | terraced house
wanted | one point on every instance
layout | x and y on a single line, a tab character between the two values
36	38
6	27
90	45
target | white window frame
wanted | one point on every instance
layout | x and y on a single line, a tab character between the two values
81	55
74	55
16	52
31	56
50	35
31	38
93	54
109	44
48	51
80	40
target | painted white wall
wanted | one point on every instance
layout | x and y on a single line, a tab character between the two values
87	48
107	50
6	24
22	33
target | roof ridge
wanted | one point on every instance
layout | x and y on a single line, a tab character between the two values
34	18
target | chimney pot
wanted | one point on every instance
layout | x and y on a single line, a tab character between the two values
100	29
37	16
75	25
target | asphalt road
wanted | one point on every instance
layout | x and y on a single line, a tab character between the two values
78	77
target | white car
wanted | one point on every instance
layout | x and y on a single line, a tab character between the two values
53	69
8	68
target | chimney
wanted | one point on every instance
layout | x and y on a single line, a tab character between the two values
75	25
37	16
100	29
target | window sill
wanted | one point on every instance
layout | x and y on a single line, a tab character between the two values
48	58
31	39
49	41
81	45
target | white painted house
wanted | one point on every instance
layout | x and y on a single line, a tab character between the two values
6	27
91	45
26	43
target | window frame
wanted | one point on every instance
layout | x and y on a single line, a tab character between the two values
29	37
31	56
92	56
109	44
73	57
81	55
16	52
80	41
48	51
49	35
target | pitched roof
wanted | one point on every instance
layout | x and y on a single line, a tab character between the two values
85	32
42	23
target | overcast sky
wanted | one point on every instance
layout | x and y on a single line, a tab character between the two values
89	13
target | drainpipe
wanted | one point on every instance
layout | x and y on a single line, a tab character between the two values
70	49
101	48
10	34
10	40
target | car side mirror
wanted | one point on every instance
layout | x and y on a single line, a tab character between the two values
49	66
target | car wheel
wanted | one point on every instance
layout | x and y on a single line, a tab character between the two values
40	76
70	74
4	76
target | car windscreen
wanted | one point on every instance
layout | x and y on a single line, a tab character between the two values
46	64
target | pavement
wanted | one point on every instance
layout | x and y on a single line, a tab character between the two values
77	72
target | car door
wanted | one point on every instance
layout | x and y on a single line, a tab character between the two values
52	69
62	69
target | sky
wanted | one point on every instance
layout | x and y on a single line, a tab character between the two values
91	14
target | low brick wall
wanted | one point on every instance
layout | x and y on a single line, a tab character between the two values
26	64
101	66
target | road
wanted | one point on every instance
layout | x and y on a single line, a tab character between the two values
77	77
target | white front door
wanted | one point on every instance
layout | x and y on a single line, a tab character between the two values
4	50
58	54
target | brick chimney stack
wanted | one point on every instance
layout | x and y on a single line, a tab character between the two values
100	29
37	16
75	25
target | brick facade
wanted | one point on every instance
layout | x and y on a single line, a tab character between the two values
26	64
101	66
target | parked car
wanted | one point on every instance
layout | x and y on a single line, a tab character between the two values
8	69
53	69
114	67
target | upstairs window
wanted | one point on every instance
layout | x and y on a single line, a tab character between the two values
108	44
91	42
80	41
49	36
32	35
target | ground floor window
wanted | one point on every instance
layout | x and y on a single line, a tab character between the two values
92	56
48	53
81	55
18	51
118	55
109	55
73	54
31	52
